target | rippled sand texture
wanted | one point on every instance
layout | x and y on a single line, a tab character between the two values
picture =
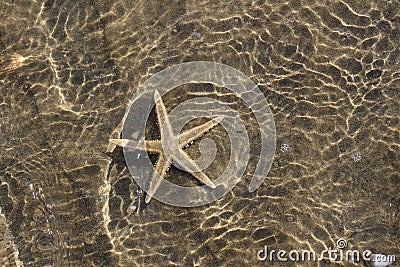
329	69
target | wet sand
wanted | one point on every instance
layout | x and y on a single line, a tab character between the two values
328	69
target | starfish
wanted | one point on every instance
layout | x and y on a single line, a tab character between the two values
170	148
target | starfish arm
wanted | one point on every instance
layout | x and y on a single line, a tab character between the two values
126	143
184	160
153	146
194	133
159	171
162	117
202	177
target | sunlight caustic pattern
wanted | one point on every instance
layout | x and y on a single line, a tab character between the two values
171	124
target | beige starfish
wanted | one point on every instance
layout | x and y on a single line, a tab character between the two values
170	147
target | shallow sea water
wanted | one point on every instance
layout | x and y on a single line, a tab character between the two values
330	71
